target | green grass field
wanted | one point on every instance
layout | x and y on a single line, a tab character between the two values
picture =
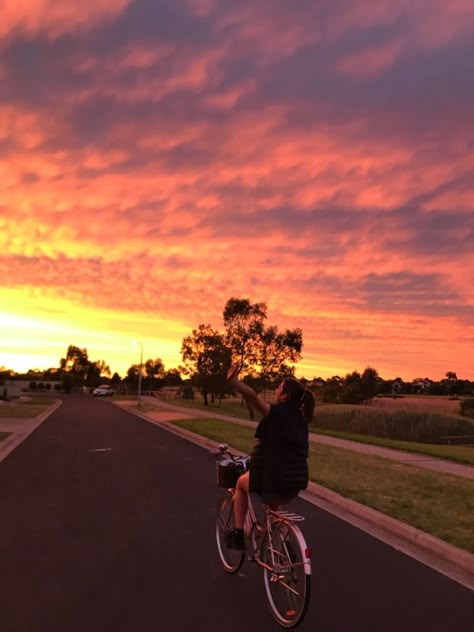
457	454
440	504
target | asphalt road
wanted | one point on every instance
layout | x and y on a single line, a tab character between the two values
107	525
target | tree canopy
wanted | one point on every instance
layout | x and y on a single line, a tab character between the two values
260	349
264	354
206	359
78	370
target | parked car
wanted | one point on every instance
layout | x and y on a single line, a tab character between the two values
103	390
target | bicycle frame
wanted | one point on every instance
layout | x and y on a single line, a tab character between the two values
256	534
277	545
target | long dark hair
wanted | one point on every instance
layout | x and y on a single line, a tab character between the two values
300	397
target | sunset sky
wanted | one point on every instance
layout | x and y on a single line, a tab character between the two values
158	157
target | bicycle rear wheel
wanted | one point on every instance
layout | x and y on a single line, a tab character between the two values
288	576
231	558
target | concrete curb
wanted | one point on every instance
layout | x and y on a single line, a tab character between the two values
9	444
443	557
462	562
413	459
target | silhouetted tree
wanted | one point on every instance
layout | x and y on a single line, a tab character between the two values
66	381
368	384
80	369
351	390
76	364
95	372
244	324
206	359
154	372
172	378
133	373
260	350
116	380
332	389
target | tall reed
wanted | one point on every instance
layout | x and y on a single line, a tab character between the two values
403	425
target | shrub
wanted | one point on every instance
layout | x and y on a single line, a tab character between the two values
467	407
188	392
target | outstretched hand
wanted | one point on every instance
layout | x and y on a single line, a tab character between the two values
233	372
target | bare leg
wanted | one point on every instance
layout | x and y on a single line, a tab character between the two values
241	500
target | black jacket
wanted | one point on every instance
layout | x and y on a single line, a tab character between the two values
279	463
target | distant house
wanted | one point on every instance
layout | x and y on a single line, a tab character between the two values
316	383
421	385
15	388
397	385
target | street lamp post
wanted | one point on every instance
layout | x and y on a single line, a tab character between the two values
140	375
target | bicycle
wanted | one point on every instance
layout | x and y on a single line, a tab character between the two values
276	544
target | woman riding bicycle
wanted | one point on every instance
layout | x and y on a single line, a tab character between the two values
279	460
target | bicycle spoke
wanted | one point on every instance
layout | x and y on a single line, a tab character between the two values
286	582
231	559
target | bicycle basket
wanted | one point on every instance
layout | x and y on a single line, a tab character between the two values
229	470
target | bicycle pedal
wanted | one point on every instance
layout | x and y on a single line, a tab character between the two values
276	578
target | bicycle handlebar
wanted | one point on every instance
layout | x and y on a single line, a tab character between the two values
223	451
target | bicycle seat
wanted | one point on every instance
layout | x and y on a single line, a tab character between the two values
277	500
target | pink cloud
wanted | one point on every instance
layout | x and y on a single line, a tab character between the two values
199	166
55	17
372	61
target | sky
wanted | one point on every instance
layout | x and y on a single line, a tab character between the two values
158	157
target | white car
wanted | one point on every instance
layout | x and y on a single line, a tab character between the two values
103	390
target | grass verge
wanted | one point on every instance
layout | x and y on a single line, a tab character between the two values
232	406
25	408
440	504
458	454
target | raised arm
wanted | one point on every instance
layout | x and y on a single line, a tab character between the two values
247	391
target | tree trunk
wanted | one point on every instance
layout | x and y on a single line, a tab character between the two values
251	411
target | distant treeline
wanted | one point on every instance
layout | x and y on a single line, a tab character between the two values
265	355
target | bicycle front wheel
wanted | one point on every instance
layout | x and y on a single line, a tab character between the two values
287	573
231	558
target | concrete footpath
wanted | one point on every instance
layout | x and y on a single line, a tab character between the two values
19	428
409	458
455	563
